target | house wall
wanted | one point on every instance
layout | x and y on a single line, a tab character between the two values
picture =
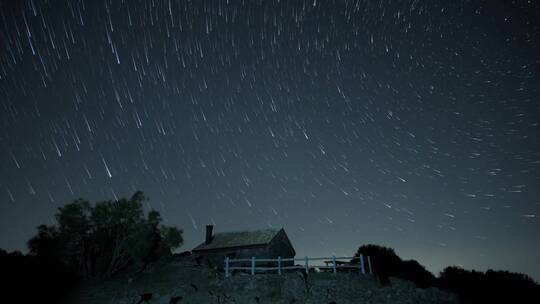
217	258
280	246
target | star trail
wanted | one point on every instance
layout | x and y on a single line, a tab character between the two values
410	124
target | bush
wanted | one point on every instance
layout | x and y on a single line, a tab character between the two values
471	286
386	263
491	286
106	238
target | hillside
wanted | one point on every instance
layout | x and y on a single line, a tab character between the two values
182	281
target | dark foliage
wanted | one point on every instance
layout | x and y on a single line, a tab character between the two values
471	286
489	287
32	279
412	270
108	237
87	240
385	258
386	263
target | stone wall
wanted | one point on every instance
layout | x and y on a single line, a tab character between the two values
183	282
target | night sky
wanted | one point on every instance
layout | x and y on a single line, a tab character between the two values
409	124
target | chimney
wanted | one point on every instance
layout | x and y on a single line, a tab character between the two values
209	229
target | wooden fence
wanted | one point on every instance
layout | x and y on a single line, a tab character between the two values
333	263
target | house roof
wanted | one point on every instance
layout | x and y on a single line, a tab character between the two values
239	239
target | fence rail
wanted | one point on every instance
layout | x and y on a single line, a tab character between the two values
333	262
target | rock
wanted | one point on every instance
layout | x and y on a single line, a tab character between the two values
182	281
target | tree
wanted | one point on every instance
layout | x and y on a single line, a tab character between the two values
107	237
386	263
489	287
384	260
45	243
412	270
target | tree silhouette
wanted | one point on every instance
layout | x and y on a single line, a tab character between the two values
386	263
471	286
489	287
412	270
384	260
108	237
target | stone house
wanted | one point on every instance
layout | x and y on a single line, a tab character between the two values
265	243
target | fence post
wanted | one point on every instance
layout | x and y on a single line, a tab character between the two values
227	267
252	265
334	263
369	265
307	265
279	264
362	268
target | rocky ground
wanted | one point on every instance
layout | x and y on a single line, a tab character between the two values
182	281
